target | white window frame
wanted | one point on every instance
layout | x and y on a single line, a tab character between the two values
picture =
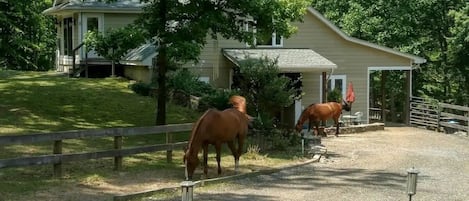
254	31
332	78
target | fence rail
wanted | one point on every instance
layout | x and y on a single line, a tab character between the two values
438	116
57	157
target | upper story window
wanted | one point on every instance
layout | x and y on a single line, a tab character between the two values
262	40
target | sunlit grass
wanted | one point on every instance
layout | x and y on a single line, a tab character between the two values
41	102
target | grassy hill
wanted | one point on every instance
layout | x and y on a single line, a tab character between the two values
34	102
40	102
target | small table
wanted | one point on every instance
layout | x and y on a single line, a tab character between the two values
348	119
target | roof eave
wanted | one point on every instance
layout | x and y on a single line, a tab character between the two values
56	11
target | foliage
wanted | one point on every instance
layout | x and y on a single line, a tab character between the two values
260	83
434	30
27	37
185	81
115	43
180	28
334	96
219	100
141	88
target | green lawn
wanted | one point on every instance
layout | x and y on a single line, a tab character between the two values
41	102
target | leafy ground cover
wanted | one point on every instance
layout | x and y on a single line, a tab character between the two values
40	102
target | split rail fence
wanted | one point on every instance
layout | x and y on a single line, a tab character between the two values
438	116
57	158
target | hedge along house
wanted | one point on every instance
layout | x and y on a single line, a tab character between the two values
320	54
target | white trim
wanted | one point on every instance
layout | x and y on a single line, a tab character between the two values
84	28
390	68
375	68
298	109
335	77
416	59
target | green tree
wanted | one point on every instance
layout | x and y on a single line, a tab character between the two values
180	28
27	38
115	43
262	86
458	49
435	30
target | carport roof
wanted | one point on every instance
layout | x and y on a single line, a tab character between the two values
288	60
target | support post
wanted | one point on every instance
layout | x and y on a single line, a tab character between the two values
383	96
118	158
169	152
187	188
58	166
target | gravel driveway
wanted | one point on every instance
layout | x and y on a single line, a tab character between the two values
364	166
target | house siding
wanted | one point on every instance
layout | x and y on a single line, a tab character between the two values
352	60
118	20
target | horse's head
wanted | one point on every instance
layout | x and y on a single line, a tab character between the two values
191	161
346	105
298	127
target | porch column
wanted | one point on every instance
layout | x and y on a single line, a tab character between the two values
324	87
383	96
408	95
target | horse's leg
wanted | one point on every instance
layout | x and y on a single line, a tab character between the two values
218	150
241	138
336	121
316	123
205	150
235	154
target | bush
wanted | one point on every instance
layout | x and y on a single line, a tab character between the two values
219	100
141	88
184	81
334	96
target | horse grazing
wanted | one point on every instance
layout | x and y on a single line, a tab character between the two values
217	127
322	112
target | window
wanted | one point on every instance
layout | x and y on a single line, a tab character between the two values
337	82
68	40
262	40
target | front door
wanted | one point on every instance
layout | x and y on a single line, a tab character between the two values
92	22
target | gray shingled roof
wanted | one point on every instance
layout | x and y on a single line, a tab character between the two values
292	60
120	5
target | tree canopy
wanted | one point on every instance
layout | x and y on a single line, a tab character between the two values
180	28
27	37
433	29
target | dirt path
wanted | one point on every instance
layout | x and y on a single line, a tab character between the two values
365	166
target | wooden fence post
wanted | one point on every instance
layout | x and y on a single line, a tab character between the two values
58	166
118	158
169	152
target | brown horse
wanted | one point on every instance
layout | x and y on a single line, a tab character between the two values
322	112
217	127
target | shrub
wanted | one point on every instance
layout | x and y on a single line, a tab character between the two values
184	81
219	100
141	88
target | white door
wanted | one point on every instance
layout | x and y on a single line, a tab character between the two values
298	110
92	22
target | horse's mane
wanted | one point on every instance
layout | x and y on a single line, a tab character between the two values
196	128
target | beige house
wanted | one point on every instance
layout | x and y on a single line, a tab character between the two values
319	52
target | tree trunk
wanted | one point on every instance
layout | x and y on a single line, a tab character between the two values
162	65
162	91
